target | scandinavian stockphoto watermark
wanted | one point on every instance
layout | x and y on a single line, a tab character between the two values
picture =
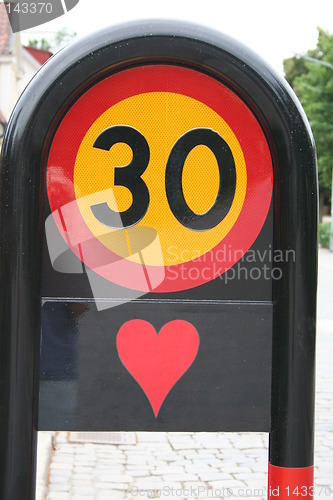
253	265
110	271
25	14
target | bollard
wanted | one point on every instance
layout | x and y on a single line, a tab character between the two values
159	250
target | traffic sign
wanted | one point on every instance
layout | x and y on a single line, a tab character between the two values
158	226
189	162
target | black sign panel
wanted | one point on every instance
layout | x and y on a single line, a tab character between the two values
109	369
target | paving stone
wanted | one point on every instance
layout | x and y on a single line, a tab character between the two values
235	468
104	469
181	462
181	477
104	486
197	469
79	496
83	490
182	447
166	470
59	487
140	473
148	483
116	495
59	479
82	476
254	476
137	460
59	458
232	484
212	462
112	461
88	485
214	476
58	496
57	466
115	478
264	497
62	437
151	436
164	456
188	454
256	488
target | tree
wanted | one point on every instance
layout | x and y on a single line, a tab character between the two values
61	38
42	44
312	81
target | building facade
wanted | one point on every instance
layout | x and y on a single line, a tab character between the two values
18	65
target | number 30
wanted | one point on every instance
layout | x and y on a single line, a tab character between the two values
130	177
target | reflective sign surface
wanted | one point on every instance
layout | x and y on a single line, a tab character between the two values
158	213
159	178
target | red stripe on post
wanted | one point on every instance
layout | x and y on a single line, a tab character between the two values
290	483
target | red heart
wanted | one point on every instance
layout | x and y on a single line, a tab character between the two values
157	362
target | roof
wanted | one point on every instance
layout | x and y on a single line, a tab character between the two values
6	34
40	55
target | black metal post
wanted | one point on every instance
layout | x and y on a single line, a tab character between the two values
20	311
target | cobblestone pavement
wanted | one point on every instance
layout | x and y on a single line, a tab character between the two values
196	465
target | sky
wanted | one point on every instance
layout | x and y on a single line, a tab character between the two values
274	30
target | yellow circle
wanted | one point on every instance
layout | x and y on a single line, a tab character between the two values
162	118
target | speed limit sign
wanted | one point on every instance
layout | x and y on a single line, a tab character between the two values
168	149
158	227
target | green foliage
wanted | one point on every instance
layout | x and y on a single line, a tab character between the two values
39	44
61	38
324	234
313	83
293	68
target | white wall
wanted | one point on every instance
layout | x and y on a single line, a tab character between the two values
8	85
16	70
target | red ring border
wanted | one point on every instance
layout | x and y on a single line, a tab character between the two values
211	92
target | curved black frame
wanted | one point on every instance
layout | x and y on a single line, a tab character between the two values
31	127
